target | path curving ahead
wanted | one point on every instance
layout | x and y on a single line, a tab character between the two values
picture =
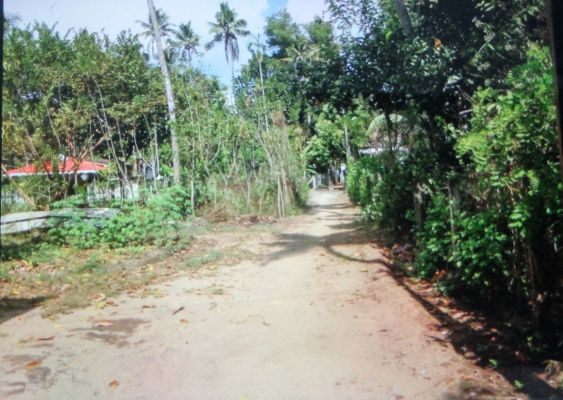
316	315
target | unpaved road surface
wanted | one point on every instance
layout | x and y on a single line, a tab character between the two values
316	315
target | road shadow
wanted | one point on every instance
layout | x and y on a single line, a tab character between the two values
480	337
337	206
19	249
13	307
485	341
22	247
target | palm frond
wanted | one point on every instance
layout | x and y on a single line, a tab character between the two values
227	28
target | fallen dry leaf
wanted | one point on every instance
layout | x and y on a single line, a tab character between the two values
103	323
147	306
184	321
33	364
113	384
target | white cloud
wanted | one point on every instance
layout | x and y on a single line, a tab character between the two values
114	16
304	11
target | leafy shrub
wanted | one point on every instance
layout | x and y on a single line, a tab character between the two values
505	233
361	178
434	241
152	221
479	254
382	186
472	248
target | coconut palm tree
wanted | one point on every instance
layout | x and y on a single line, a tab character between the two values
257	48
302	49
166	30
156	34
227	29
185	42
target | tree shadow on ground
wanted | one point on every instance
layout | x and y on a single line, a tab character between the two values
19	249
13	307
337	206
481	338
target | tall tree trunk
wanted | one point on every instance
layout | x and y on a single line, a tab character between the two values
263	95
347	144
555	13
404	18
233	76
169	94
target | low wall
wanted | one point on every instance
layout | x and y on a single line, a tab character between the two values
27	221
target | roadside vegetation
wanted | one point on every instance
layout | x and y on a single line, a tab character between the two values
468	167
443	112
86	96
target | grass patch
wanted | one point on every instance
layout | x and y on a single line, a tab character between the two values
93	263
201	260
65	278
62	277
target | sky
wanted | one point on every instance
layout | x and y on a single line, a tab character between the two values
113	16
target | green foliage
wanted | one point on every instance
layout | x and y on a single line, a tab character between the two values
502	237
478	253
482	196
75	95
489	189
383	189
318	152
90	96
328	144
471	248
153	221
91	265
361	178
435	239
226	29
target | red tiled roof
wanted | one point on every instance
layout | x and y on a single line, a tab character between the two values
70	165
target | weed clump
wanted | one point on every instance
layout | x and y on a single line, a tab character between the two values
153	221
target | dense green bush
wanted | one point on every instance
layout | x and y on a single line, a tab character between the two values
152	221
362	177
472	249
492	222
505	234
382	186
434	241
478	254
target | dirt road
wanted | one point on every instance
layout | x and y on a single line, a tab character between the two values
316	315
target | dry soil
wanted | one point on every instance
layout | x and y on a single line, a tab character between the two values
316	315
